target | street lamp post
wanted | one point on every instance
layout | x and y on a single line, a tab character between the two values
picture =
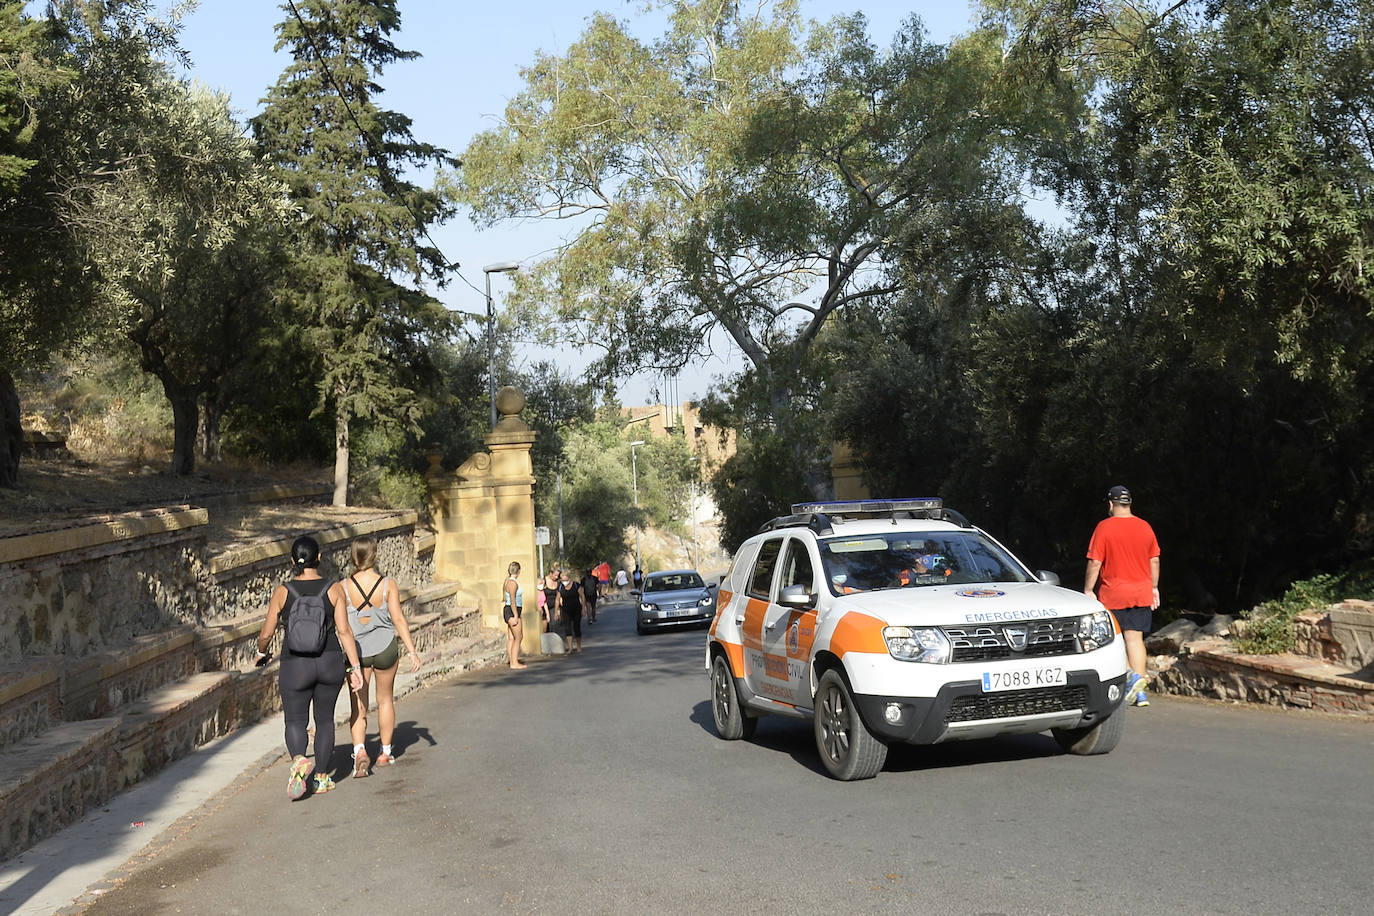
499	267
634	478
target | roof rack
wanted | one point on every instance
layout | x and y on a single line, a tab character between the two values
819	516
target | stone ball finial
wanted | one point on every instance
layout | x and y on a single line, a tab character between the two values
510	401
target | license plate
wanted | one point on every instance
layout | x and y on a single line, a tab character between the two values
1026	679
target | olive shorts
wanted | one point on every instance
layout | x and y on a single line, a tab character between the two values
387	658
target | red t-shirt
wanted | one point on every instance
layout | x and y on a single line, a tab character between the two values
1124	545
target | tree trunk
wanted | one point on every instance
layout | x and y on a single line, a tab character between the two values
209	430
185	425
11	431
340	457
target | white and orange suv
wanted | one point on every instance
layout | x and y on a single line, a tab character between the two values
897	621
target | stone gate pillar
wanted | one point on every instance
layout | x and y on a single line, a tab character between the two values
484	518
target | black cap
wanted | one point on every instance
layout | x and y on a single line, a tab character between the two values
1119	494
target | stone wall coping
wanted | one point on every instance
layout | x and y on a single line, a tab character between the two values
281	547
274	493
146	649
434	591
220	634
101	530
30	682
425	541
1305	669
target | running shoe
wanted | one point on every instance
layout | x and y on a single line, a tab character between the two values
383	760
323	783
301	769
1142	698
361	765
1135	683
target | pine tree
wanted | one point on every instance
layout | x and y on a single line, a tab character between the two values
364	248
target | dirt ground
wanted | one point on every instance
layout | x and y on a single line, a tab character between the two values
56	494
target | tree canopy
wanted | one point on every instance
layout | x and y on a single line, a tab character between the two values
364	244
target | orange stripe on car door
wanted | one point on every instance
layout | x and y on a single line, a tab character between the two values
858	633
752	631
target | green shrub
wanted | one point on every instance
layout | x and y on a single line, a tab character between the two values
1269	626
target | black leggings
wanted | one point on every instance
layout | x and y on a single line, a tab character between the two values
305	679
572	624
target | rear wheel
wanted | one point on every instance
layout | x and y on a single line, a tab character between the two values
848	749
731	721
1095	739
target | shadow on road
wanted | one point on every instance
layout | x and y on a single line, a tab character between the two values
796	738
612	653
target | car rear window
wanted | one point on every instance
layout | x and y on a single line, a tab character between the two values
762	578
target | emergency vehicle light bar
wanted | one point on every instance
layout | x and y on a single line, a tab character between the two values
880	506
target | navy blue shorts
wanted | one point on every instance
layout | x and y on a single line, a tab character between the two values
1134	618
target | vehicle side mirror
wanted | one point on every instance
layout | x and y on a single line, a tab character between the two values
796	596
1048	577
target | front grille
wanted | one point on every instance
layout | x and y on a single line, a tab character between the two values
1017	703
1044	638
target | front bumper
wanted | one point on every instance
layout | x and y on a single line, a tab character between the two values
961	710
648	620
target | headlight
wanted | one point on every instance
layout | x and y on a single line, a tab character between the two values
706	601
646	607
1095	630
917	644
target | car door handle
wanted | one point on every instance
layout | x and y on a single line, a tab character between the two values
771	626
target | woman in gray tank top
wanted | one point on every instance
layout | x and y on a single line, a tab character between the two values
374	612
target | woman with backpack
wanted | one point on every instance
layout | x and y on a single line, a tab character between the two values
381	630
317	637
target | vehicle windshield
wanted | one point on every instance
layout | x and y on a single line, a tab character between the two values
911	560
672	582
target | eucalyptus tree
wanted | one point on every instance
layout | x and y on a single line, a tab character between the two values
745	172
363	247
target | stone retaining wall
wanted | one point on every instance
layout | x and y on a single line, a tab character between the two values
242	580
81	590
1210	669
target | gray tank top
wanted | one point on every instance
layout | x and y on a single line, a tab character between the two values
372	626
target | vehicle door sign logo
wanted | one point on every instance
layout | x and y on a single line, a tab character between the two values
793	637
1016	637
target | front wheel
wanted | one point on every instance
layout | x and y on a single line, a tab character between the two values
731	721
848	749
1095	739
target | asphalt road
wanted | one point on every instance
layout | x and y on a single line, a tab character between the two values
595	784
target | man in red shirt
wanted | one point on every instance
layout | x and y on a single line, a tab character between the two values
1123	572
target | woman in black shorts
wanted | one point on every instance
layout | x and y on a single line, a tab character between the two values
510	612
310	680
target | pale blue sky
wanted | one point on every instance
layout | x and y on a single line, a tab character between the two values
470	66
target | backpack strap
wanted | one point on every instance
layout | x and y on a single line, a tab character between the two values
367	598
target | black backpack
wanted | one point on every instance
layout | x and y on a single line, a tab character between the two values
307	621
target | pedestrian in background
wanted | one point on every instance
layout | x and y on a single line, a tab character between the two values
591	586
542	597
550	593
638	578
380	628
1123	572
512	605
570	613
622	580
310	681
